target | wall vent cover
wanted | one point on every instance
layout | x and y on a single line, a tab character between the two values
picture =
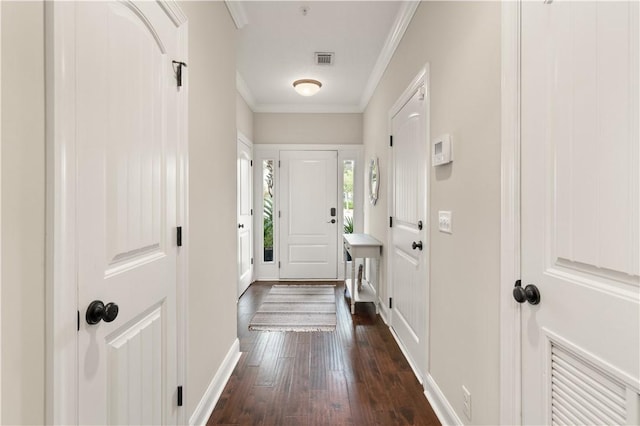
324	58
582	394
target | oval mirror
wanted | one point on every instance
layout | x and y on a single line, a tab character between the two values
374	180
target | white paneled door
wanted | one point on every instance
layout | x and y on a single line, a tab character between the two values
127	132
409	245
245	211
580	213
308	214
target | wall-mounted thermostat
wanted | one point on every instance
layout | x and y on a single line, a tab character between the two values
441	152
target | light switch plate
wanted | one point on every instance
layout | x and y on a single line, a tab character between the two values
444	221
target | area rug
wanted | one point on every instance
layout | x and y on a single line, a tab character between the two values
297	308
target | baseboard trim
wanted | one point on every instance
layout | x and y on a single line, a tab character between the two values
383	311
439	403
416	370
208	402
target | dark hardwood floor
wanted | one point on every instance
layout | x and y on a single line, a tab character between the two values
353	376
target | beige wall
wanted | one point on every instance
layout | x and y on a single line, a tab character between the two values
288	128
244	117
461	43
212	197
23	204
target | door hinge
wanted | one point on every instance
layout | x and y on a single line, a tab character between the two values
390	140
390	222
177	68
251	212
279	163
252	260
278	265
391	303
78	320
251	163
179	396
179	236
279	215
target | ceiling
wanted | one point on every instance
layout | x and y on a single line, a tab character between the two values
277	42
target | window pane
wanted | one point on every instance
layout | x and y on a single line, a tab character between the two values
347	195
267	210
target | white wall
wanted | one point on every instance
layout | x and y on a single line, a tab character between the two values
212	199
285	128
23	203
461	42
244	117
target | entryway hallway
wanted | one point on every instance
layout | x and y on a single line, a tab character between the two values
355	375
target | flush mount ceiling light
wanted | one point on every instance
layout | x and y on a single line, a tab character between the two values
307	87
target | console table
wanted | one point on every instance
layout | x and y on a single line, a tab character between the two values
361	246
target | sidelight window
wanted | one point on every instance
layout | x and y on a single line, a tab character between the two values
267	209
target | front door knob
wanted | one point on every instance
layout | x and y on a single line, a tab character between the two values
97	311
417	245
529	294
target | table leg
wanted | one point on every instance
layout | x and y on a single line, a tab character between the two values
344	256
353	285
377	280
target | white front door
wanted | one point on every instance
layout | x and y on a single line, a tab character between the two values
127	133
409	249
308	214
580	213
245	211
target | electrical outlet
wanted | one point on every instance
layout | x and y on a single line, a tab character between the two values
466	402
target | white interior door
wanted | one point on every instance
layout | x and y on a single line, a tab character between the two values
127	151
409	250
245	211
308	214
580	213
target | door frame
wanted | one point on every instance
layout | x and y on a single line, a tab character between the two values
270	272
62	311
421	79
510	251
244	140
0	210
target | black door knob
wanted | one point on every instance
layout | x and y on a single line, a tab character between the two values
417	245
529	294
98	311
240	225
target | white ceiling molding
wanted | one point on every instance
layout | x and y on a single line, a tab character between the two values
239	15
174	11
405	14
244	91
307	108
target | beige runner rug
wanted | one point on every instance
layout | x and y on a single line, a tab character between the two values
297	308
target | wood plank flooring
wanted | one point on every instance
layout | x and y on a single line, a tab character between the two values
356	375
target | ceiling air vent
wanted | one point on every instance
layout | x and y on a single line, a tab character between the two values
324	58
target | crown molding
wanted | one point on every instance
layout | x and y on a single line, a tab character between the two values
174	11
405	14
237	12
